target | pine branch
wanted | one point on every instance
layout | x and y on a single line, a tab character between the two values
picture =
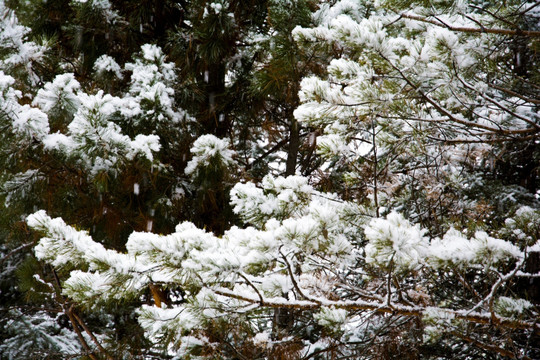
76	321
438	22
74	324
89	332
382	308
488	347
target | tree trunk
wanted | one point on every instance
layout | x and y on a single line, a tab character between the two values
294	145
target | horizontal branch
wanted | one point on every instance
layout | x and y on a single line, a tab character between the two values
488	347
484	140
517	32
513	93
382	308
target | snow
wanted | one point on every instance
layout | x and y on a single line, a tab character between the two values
394	241
17	51
303	248
58	141
102	5
507	305
107	64
39	331
61	93
454	248
276	285
144	145
31	122
209	148
284	196
262	338
92	137
256	261
150	93
65	245
437	315
331	318
333	144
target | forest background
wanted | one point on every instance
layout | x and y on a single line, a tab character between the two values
277	179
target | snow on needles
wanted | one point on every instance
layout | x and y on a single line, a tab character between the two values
105	63
394	241
208	148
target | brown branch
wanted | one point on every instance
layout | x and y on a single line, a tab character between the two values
486	141
16	250
496	103
513	93
484	346
89	332
491	14
451	117
253	286
518	32
529	8
295	283
466	284
270	151
437	106
382	308
75	326
76	322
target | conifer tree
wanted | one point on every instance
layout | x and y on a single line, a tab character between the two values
269	179
115	134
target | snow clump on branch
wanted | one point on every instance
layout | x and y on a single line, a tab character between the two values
207	149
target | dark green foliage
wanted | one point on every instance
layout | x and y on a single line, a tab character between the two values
217	52
237	72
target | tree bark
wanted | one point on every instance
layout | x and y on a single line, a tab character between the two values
294	145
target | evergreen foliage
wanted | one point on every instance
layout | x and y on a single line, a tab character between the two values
278	179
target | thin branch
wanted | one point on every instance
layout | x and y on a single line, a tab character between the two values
502	279
438	106
487	141
484	346
440	23
16	250
528	275
295	283
466	284
271	150
495	102
76	322
382	308
513	93
389	281
375	164
492	15
529	8
253	286
79	334
72	319
89	332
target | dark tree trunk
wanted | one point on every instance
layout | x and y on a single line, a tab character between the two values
294	145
